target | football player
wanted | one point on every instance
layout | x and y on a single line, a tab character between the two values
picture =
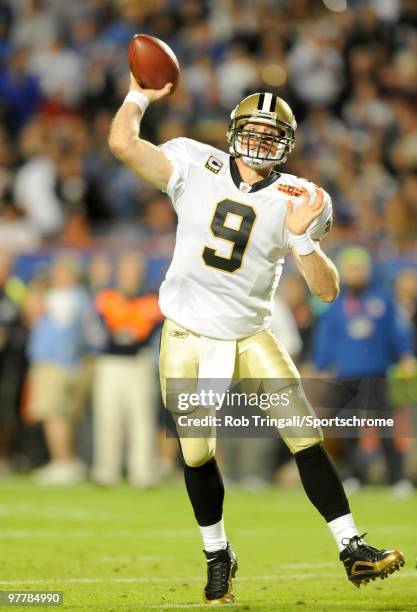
237	219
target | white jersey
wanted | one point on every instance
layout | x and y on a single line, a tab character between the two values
230	244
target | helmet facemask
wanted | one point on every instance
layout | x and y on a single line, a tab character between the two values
259	149
262	149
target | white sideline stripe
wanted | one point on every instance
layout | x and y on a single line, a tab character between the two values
183	579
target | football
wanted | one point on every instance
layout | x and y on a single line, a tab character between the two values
152	62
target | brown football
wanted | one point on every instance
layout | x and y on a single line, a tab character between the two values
152	62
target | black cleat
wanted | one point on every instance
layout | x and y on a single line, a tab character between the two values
364	563
221	568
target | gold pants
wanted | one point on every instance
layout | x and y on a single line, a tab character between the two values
259	356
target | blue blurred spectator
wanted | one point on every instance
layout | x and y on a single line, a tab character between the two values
360	334
358	338
64	331
20	94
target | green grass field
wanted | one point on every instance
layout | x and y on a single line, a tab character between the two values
123	549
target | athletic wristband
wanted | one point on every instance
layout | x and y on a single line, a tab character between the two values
139	99
303	244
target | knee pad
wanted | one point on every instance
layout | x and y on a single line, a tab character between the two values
197	451
299	436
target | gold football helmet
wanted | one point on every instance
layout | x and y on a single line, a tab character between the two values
261	149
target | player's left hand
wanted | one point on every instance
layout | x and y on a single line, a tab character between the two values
298	219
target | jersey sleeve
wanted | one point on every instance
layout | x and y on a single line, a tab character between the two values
176	151
323	223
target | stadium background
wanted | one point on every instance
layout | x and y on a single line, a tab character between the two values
350	75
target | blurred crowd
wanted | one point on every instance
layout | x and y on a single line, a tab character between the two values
350	77
85	243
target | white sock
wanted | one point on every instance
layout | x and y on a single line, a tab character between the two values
343	528
214	536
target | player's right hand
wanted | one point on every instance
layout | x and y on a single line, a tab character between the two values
151	94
